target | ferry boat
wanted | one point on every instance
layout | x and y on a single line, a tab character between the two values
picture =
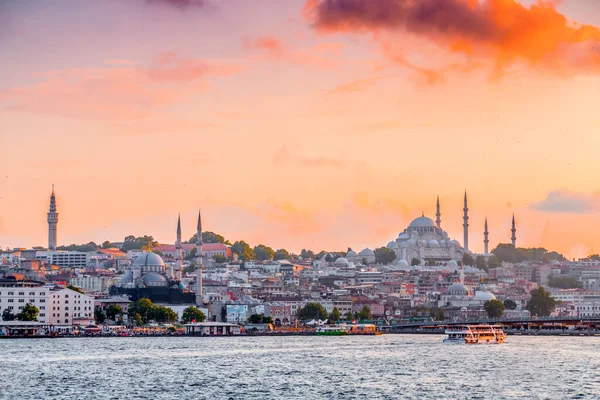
331	331
475	334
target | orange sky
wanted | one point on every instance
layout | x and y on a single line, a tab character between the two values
302	124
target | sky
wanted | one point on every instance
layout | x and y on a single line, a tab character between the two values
320	124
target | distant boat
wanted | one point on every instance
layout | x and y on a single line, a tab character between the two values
475	334
331	331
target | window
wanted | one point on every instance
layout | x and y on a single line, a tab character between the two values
66	296
20	307
11	293
21	300
21	293
11	300
42	293
32	293
67	301
66	314
42	300
42	315
66	308
32	300
10	307
42	308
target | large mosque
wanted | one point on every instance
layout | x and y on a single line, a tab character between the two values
426	241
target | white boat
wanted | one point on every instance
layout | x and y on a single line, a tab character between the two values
475	334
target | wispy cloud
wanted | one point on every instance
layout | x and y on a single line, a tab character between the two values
563	201
285	156
355	86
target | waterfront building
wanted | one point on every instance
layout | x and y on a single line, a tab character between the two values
212	329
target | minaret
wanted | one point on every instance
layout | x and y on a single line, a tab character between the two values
514	232
486	241
466	225
52	222
179	252
200	262
438	215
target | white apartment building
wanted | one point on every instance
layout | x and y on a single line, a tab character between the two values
93	283
65	259
57	306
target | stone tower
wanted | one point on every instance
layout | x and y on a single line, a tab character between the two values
466	224
514	232
200	260
179	251
486	241
438	214
52	222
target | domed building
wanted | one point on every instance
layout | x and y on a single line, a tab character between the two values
366	256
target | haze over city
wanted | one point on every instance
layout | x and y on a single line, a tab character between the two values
300	124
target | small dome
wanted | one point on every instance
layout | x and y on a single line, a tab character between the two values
404	235
422	222
392	245
422	243
451	265
433	243
457	289
411	242
366	253
342	260
351	265
402	263
484	296
154	279
351	253
127	278
442	243
149	259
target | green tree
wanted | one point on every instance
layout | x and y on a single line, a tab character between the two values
89	247
437	314
365	313
243	250
335	315
281	254
263	253
191	314
493	262
563	282
307	254
383	255
29	313
138	319
107	245
510	304
143	307
415	261
162	314
219	258
480	263
137	243
7	315
468	259
255	318
113	310
349	316
75	288
208	237
541	303
312	311
99	316
494	308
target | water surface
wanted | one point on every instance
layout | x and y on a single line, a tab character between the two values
359	367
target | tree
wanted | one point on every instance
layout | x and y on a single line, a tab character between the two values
191	314
86	248
510	304
137	243
208	237
312	311
281	254
99	316
383	255
75	288
7	315
162	314
493	262
113	310
494	308
563	282
255	318
541	303
107	245
29	313
138	319
263	253
243	250
437	314
307	254
480	262
365	313
415	261
335	315
468	259
220	258
142	307
507	252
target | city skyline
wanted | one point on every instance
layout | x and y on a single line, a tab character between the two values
298	127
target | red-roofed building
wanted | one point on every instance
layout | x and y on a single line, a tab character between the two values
208	249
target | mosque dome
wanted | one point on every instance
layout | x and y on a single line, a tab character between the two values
127	278
451	265
342	260
442	243
149	259
433	243
484	296
411	242
402	263
351	265
404	235
154	279
366	252
422	243
392	245
422	222
351	253
457	289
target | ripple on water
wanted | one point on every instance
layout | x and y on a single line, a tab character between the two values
384	367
